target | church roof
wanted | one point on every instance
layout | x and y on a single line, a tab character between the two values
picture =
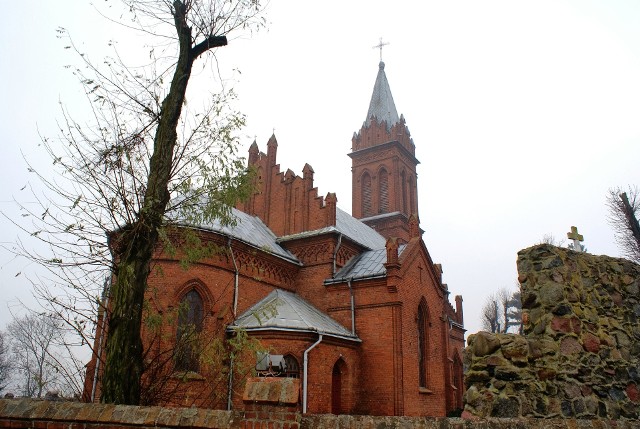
358	231
350	227
366	265
382	107
285	311
251	230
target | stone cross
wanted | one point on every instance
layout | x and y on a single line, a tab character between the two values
577	238
379	46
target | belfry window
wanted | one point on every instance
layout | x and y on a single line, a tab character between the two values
190	318
403	185
367	209
383	182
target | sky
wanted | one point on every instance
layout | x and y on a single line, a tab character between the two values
524	114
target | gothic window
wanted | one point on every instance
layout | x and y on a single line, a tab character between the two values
366	195
190	318
403	182
456	375
412	200
293	368
423	343
383	191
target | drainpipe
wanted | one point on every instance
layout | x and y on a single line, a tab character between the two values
306	371
353	308
105	313
335	253
235	279
235	310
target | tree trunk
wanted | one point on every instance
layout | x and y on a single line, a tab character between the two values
133	253
632	222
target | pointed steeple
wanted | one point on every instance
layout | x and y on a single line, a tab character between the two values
382	107
385	194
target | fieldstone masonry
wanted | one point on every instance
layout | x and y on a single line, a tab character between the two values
579	356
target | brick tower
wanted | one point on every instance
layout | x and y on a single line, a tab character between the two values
384	192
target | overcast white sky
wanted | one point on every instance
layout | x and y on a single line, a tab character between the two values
523	114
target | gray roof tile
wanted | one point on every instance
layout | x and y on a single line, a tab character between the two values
366	265
286	311
251	230
349	226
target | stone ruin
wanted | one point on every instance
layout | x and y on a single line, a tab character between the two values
579	356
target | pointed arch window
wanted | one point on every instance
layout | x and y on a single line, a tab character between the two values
456	380
367	209
190	320
423	343
383	191
339	387
292	367
403	184
412	198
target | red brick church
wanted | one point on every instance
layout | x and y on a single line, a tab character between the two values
352	305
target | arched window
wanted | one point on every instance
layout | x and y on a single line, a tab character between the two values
367	209
412	198
423	343
456	380
383	191
403	185
190	318
293	368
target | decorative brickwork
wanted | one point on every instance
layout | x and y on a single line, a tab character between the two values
580	355
299	207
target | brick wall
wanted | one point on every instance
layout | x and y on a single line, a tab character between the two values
34	414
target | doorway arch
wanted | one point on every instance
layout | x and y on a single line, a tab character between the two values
338	387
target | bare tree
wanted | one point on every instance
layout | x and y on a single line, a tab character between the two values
623	217
143	164
502	311
551	239
38	352
491	314
5	364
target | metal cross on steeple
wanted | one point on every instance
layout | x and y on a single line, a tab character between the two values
577	238
379	46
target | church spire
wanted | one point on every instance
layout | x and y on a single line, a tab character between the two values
382	108
383	167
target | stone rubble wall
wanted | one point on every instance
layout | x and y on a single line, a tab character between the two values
37	414
579	356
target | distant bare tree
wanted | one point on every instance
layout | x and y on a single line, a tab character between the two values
5	364
41	357
550	239
623	217
502	310
490	314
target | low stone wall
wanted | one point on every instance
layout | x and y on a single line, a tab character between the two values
580	353
34	414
